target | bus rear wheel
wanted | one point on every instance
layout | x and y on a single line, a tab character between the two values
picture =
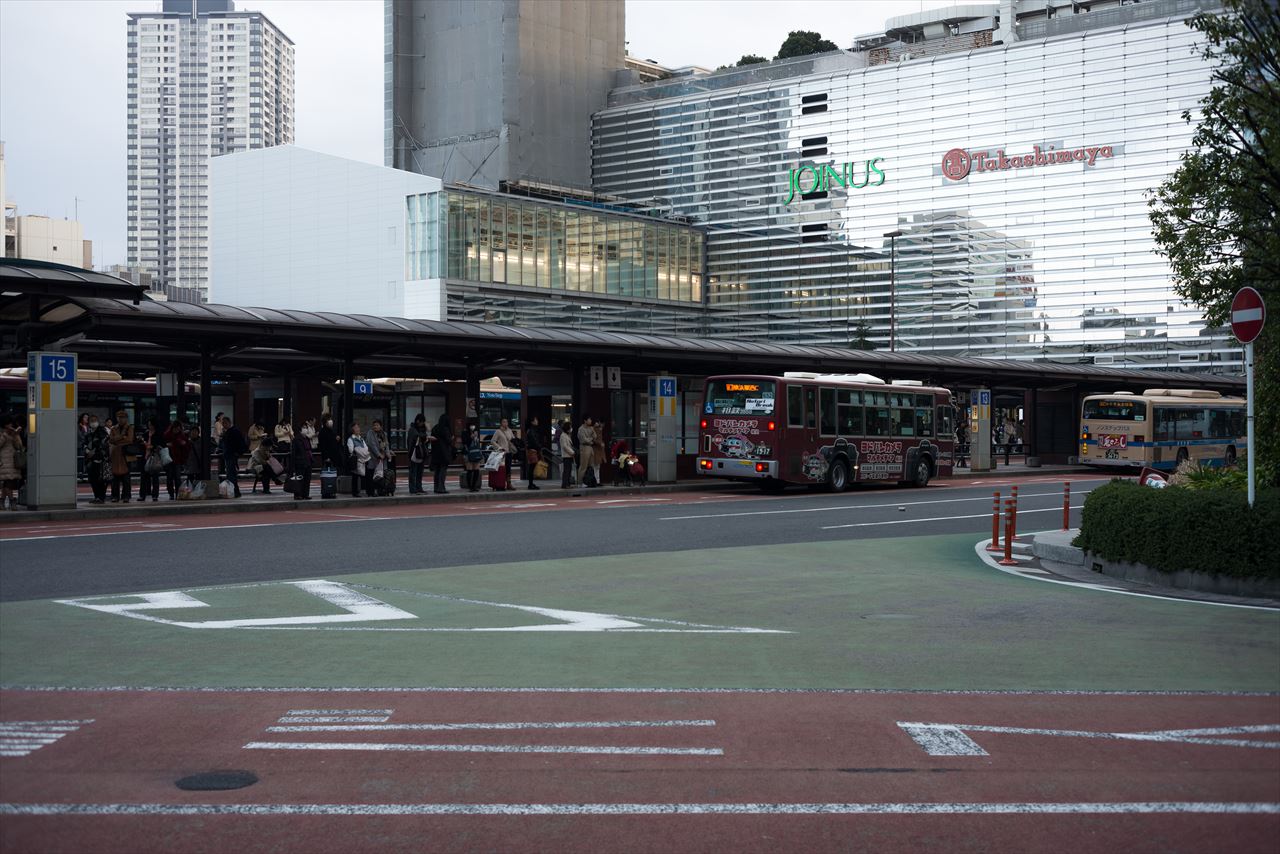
838	477
1182	457
922	472
1231	456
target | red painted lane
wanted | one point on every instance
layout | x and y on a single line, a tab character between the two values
777	748
522	503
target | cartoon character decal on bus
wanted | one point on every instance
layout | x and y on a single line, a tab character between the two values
735	446
817	466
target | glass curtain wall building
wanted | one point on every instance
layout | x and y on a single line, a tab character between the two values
988	201
506	258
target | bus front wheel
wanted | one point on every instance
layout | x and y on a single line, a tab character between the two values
1182	457
1231	455
922	473
838	479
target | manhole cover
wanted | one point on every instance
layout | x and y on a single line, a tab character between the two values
214	781
889	617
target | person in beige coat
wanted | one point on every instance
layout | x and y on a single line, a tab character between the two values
123	456
586	449
10	473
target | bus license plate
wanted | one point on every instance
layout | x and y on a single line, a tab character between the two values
1113	455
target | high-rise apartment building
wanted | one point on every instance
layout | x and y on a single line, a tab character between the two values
204	80
484	93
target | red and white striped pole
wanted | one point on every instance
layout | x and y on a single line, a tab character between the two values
1066	505
1014	518
1008	560
994	545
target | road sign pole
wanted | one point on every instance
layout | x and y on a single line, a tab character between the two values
1248	390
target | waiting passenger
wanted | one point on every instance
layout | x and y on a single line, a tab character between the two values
10	470
361	468
124	453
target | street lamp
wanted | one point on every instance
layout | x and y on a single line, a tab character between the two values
893	269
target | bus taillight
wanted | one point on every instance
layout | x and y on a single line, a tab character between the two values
706	464
704	424
760	467
773	425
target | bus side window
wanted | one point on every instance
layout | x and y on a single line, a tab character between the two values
827	398
945	427
1164	423
810	408
795	406
924	421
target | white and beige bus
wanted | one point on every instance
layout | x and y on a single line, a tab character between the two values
1161	427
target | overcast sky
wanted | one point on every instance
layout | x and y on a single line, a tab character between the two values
63	62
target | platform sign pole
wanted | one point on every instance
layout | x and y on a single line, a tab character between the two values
52	398
663	424
980	430
1248	315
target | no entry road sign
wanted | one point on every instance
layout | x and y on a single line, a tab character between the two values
1247	315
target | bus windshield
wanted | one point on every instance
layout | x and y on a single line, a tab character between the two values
1116	410
740	397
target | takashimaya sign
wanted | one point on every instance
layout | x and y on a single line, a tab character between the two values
829	176
958	163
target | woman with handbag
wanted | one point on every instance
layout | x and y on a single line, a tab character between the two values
535	449
124	451
504	439
260	463
303	459
566	454
152	442
473	456
97	461
419	447
361	471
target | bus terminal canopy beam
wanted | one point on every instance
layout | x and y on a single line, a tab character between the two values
260	341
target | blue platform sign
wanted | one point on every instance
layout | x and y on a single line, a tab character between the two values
364	389
667	387
984	398
57	368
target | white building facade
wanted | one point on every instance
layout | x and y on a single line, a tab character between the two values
298	229
204	80
972	183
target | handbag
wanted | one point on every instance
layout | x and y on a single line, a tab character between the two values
540	470
495	461
475	455
416	456
154	464
531	457
277	467
166	458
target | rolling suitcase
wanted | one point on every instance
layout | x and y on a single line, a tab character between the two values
328	484
498	478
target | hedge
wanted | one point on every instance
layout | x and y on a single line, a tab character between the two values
1175	529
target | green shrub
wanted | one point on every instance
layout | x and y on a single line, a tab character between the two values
1193	475
1172	529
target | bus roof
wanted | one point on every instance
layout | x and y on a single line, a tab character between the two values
843	380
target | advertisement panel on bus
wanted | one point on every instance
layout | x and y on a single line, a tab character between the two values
828	431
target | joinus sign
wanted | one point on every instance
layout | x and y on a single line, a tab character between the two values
958	163
827	177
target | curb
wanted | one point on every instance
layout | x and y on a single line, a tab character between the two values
1026	472
231	505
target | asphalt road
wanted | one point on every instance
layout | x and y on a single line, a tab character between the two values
275	546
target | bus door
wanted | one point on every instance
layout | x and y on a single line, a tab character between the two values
802	431
945	426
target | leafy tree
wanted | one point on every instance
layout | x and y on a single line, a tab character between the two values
1217	218
751	59
803	43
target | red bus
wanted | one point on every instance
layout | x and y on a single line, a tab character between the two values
831	430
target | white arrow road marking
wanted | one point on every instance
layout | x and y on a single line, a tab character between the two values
362	608
952	740
359	608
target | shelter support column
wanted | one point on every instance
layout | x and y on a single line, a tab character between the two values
287	392
1032	410
348	399
206	412
471	393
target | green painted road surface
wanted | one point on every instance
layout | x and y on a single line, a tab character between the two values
913	614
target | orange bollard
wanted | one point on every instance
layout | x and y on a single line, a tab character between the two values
994	545
1014	518
1008	560
1066	505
